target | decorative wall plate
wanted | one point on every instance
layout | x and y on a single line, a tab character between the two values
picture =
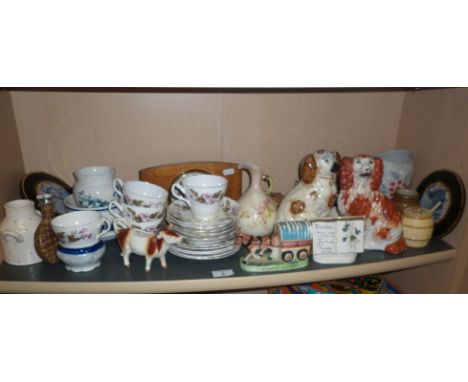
41	183
446	187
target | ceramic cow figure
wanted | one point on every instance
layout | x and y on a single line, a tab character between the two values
146	244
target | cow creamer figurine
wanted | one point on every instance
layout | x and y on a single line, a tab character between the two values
146	244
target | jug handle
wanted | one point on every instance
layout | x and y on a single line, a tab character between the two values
269	180
8	233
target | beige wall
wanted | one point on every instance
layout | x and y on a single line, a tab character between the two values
434	126
63	131
11	161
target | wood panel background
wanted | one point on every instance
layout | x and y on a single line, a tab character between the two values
63	131
434	126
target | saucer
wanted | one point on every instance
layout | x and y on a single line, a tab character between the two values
229	212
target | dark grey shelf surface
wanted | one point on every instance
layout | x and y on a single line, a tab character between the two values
113	270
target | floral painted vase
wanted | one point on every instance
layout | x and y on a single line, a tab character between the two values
257	213
398	171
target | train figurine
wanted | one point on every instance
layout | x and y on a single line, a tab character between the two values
289	247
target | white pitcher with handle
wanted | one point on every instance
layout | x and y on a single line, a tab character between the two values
17	232
257	214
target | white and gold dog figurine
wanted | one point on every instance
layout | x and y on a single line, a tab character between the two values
315	195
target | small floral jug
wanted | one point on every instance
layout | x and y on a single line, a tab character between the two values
257	213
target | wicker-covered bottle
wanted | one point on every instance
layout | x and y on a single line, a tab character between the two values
45	240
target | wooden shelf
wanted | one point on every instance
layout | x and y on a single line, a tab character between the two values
185	275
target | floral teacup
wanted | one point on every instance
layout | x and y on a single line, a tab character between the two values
80	229
137	214
140	194
202	193
125	223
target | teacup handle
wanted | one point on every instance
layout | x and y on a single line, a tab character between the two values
115	204
106	229
177	190
120	224
117	185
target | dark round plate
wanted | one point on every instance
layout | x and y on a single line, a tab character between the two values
447	188
36	183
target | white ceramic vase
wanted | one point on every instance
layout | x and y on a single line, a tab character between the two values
17	232
398	171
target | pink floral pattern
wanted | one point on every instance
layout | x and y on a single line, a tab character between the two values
75	236
206	197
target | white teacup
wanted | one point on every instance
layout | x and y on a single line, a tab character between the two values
93	186
202	193
140	194
136	214
125	223
80	229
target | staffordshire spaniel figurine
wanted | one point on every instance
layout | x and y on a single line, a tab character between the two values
360	178
315	195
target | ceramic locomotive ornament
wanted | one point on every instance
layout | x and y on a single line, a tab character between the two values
146	244
257	214
287	248
315	195
360	178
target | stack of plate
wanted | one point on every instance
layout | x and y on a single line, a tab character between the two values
205	239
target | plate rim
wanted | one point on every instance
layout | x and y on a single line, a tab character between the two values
34	177
455	185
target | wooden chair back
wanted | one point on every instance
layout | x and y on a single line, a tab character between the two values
166	175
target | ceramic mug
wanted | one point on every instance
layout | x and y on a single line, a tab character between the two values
125	223
202	193
140	194
136	214
93	186
80	229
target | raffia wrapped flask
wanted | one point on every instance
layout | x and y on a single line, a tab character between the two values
45	240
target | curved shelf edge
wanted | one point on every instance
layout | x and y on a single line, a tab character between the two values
227	283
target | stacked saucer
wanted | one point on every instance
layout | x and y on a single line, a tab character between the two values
210	239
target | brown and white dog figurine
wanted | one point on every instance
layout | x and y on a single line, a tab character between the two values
360	179
315	195
146	244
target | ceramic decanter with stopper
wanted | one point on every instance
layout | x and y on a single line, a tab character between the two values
45	239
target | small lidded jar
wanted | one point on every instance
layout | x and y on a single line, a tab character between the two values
405	198
418	226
